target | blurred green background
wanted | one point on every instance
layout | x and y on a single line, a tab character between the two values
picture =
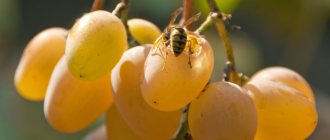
291	33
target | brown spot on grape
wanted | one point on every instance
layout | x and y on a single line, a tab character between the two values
295	78
155	102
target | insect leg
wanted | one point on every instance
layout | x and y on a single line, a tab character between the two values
156	45
189	53
165	59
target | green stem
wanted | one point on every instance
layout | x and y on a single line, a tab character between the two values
205	25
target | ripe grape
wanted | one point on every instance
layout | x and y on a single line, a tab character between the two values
143	119
283	112
143	31
117	128
178	84
95	44
287	76
223	112
71	104
38	61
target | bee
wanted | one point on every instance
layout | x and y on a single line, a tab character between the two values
175	37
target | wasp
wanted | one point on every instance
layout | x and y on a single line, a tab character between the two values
174	37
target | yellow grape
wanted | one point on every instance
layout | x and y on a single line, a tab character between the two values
99	133
95	44
284	113
287	76
143	31
175	86
117	128
38	61
71	104
143	119
223	112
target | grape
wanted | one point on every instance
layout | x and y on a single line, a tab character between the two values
175	86
71	104
95	44
284	113
117	128
98	134
287	76
222	112
143	31
143	119
38	61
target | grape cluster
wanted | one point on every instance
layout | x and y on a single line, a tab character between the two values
88	71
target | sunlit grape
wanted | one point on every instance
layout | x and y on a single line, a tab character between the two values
143	119
71	104
223	112
38	61
117	128
143	31
284	113
174	85
287	76
95	44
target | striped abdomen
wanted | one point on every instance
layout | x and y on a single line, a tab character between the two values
178	40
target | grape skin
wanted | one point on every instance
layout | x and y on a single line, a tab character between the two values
222	112
117	128
72	104
95	44
143	119
38	61
145	32
177	85
283	112
287	76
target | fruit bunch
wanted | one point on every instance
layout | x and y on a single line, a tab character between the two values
159	89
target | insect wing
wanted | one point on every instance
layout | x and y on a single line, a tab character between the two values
174	16
192	19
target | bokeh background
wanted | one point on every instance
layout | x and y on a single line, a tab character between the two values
294	33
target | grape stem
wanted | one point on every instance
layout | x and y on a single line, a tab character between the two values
221	28
187	10
219	19
97	5
183	132
204	26
121	11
